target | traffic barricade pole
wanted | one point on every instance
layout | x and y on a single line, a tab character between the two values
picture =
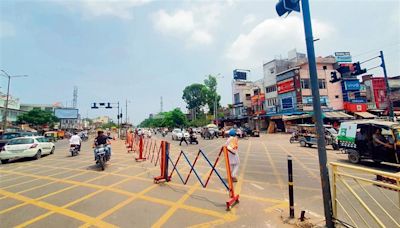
233	198
140	158
163	163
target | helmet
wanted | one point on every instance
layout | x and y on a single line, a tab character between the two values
232	132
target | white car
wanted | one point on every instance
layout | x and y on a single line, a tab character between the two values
33	146
177	134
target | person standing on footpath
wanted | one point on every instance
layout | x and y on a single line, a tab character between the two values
232	146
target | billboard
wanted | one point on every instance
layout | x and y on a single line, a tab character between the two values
285	86
343	57
239	75
352	85
66	113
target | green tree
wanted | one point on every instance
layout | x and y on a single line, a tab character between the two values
195	96
37	118
211	93
174	118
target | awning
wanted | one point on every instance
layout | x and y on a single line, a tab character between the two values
365	115
396	113
337	115
295	117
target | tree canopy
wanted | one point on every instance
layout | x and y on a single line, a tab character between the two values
211	93
195	96
37	117
174	118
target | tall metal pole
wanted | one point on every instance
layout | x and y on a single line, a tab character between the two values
118	116
391	113
6	105
326	188
126	111
5	74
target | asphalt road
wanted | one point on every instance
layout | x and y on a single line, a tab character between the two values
63	191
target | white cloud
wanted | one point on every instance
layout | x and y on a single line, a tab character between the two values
195	25
6	29
248	19
96	8
272	37
179	22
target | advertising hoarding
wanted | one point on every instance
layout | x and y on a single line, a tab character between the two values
285	86
66	113
239	75
343	57
351	85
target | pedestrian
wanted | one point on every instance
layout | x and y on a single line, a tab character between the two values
232	146
183	139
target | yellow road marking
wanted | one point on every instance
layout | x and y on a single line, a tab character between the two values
60	210
270	209
274	169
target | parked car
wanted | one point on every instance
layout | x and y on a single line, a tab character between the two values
31	146
4	138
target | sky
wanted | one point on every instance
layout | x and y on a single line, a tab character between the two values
140	50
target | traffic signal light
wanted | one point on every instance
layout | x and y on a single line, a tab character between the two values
119	116
108	105
287	6
357	69
94	106
334	77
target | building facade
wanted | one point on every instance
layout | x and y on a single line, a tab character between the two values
14	108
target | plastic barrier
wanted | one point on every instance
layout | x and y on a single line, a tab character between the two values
165	177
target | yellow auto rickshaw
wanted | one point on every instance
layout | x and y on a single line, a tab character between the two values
52	136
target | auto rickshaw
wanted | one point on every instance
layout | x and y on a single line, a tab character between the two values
307	135
376	140
52	136
60	134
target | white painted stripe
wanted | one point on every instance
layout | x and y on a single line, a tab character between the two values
257	186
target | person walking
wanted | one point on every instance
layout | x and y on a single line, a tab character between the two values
232	146
183	139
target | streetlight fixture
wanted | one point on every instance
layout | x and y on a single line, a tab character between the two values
5	74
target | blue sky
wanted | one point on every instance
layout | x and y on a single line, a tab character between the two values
141	50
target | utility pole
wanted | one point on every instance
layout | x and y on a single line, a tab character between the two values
287	6
326	187
5	115
391	113
126	111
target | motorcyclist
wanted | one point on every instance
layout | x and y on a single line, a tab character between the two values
102	139
75	141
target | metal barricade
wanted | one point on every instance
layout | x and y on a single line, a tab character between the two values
365	197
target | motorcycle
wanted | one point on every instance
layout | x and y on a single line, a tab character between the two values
102	156
164	134
294	139
74	150
193	139
84	138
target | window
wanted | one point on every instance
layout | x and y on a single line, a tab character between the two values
337	96
270	89
236	98
305	83
248	96
321	84
287	103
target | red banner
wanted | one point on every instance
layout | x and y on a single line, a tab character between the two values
285	86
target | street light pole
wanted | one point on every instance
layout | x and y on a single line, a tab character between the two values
4	126
391	113
326	188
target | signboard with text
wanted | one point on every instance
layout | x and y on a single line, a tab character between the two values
343	57
285	86
352	85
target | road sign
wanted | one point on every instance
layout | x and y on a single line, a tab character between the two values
343	57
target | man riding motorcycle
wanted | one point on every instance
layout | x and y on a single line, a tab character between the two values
104	140
75	141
